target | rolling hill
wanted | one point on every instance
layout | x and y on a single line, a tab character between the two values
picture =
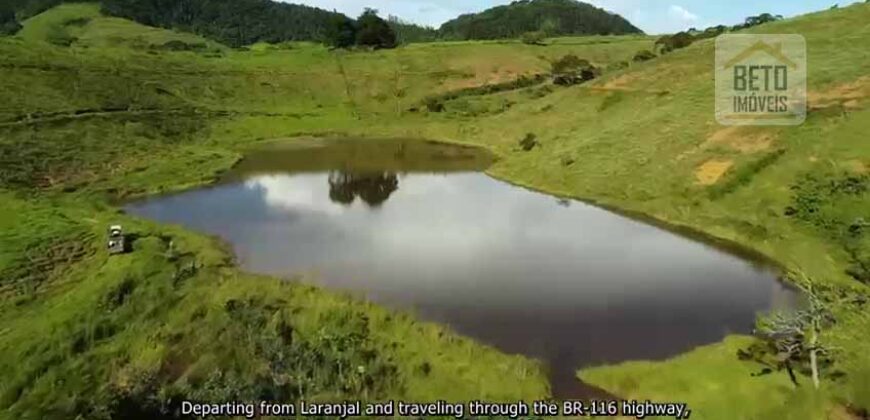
555	17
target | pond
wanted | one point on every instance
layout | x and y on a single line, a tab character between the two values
418	226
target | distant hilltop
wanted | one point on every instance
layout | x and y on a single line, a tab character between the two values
553	17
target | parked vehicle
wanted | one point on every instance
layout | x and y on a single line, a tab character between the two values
116	244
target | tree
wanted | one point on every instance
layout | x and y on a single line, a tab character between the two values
341	32
373	31
796	337
372	188
758	20
8	23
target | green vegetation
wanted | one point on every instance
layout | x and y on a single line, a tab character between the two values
8	21
373	31
231	22
84	124
407	32
713	384
368	31
570	70
679	40
533	38
552	17
643	55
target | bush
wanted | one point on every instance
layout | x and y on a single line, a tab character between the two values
78	22
434	104
529	142
533	38
643	55
60	38
619	65
570	70
176	45
520	82
669	43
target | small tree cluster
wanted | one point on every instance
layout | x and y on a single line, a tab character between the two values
758	20
369	30
570	70
676	41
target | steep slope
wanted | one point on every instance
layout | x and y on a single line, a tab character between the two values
556	17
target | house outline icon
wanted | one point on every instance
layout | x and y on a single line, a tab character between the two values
774	51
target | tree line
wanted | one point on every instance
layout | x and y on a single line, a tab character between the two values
683	39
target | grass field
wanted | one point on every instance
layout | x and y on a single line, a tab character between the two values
95	108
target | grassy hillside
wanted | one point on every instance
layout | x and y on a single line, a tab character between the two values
81	125
83	25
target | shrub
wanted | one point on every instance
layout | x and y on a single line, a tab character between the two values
533	38
522	81
619	65
176	45
82	21
434	104
669	43
60	38
571	69
643	55
529	142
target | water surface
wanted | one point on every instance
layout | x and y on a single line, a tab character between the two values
417	226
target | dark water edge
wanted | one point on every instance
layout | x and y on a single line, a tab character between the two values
559	280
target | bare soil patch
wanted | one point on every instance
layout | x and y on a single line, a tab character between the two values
712	170
742	139
849	95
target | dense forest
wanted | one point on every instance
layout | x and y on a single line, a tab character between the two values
553	17
232	22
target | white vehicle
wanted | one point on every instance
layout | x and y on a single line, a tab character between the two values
116	244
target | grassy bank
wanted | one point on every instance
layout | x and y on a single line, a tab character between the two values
87	121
